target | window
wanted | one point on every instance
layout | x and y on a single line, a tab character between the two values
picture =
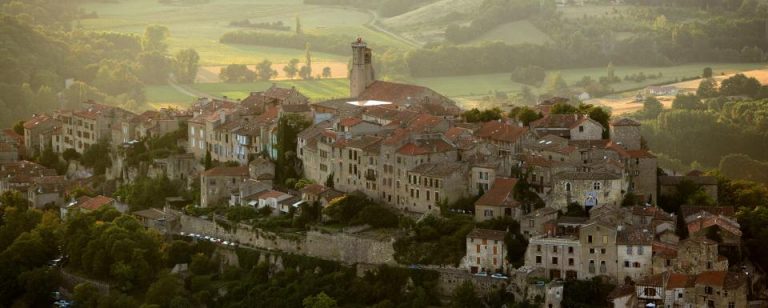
596	185
581	128
570	250
649	292
538	248
478	248
640	250
626	263
591	250
538	259
554	249
602	251
708	290
589	239
554	260
592	266
629	250
731	305
570	261
494	250
605	239
709	264
488	213
567	186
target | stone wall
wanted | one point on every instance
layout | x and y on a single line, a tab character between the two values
341	247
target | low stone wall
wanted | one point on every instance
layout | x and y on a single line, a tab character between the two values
341	247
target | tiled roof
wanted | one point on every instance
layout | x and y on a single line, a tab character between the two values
664	250
151	213
272	194
621	291
500	131
680	281
705	221
487	234
314	189
688	210
567	121
349	122
227	171
38	120
94	203
500	193
625	122
634	236
422	147
393	92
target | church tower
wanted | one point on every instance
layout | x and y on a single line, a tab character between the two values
361	73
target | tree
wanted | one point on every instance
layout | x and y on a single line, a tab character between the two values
326	72
97	157
207	161
652	107
237	73
740	84
155	37
18	128
70	154
611	73
162	291
154	67
299	30
707	73
329	181
321	300
687	102
563	108
308	58
264	71
555	85
527	115
464	296
707	88
186	65
292	68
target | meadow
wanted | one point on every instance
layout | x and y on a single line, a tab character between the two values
200	26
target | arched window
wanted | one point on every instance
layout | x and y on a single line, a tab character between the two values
568	186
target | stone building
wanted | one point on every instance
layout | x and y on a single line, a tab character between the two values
598	250
432	183
569	126
588	189
218	184
498	201
668	184
634	252
697	255
559	255
38	133
532	224
486	251
718	289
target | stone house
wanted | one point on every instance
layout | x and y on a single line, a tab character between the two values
697	255
90	204
559	255
634	252
598	250
623	296
163	221
532	224
718	289
217	184
432	183
569	126
47	190
84	127
38	133
667	289
486	251
588	189
726	231
498	201
509	138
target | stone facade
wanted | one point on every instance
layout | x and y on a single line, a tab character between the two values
559	256
598	250
219	183
588	189
486	252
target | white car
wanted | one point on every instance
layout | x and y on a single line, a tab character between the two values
182	233
499	276
226	243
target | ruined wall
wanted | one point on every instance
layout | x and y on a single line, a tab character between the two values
341	247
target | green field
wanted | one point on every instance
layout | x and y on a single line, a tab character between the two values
518	32
200	26
455	86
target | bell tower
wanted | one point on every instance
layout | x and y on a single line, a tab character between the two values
361	73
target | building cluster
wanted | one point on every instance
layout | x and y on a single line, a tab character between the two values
407	147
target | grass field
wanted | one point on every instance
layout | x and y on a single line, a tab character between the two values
518	32
200	26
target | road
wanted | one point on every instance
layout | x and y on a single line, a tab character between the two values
373	23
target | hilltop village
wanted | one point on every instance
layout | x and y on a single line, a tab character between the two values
582	195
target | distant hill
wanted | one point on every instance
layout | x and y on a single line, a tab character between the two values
431	13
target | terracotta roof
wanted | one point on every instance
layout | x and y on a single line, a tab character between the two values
680	281
625	122
640	154
487	234
652	280
500	193
664	250
422	147
393	92
271	194
349	122
94	203
688	210
634	236
500	131
227	171
295	108
38	120
424	122
151	213
712	278
567	121
314	189
280	93
703	222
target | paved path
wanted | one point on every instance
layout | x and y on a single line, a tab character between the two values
373	23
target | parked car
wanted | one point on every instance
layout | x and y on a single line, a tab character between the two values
499	276
484	274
